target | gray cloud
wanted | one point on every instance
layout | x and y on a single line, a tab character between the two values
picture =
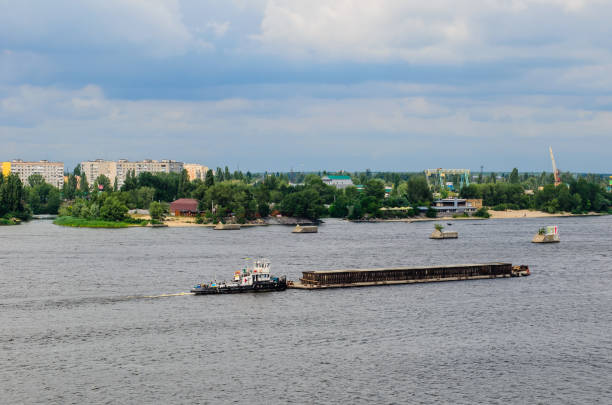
274	84
387	133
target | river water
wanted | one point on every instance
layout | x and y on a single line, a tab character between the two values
84	319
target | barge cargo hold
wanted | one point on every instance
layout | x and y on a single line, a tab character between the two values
406	275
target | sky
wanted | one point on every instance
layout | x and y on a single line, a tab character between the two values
283	85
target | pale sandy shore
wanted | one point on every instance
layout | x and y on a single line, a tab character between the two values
532	214
494	215
185	222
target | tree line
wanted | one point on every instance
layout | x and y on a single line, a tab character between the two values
575	195
223	194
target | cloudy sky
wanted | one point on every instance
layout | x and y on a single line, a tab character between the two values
309	85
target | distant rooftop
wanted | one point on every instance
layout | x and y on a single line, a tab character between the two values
333	177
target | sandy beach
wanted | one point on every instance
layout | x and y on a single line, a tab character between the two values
185	222
531	214
182	222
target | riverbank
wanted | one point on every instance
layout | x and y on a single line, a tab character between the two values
9	221
186	222
418	219
508	214
534	214
93	223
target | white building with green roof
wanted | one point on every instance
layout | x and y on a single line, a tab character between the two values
338	181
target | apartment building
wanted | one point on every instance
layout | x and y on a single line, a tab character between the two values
52	172
195	171
119	169
95	168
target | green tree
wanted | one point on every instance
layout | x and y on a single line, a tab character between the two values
482	213
157	211
514	177
431	212
183	185
113	209
36	180
12	197
84	189
370	205
102	183
210	179
130	182
219	175
417	190
471	191
263	209
375	188
69	189
44	199
351	193
339	208
303	204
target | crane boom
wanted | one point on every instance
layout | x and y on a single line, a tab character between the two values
554	166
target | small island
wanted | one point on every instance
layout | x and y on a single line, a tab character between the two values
549	234
439	234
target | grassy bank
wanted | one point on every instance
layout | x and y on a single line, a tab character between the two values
11	221
93	223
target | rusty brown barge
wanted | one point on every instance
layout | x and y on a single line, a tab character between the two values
406	275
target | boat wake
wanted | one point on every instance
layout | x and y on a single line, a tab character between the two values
47	303
162	295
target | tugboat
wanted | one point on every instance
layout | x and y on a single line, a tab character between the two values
255	278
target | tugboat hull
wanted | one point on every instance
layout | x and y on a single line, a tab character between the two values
281	285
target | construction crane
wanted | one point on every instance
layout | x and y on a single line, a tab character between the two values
441	174
554	165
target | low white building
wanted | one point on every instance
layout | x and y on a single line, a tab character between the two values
338	181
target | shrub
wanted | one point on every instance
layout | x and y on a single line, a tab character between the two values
157	211
431	213
482	213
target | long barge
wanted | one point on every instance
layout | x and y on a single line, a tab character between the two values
406	275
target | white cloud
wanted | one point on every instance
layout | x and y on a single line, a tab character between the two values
436	31
219	28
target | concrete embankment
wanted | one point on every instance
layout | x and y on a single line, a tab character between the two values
226	227
443	235
305	229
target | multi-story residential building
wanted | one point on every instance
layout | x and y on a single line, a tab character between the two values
147	165
119	169
52	172
95	168
195	171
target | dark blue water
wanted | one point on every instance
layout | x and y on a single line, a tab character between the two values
75	326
